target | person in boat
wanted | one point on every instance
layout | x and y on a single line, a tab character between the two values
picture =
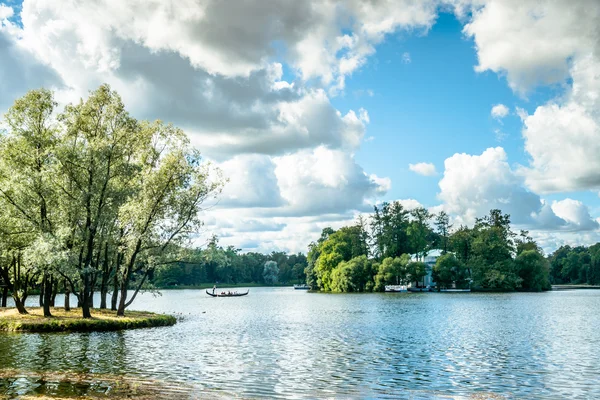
214	288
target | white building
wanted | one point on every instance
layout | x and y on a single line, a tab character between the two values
426	283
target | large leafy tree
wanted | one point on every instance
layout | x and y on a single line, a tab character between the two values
113	196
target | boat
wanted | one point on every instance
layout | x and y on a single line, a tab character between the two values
396	288
227	294
455	290
301	287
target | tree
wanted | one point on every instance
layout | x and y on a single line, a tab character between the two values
271	272
392	271
533	269
352	276
442	223
419	232
448	270
389	225
28	200
416	270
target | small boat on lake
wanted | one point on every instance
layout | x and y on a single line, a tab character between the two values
227	294
301	287
396	288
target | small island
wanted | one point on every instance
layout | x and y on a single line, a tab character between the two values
71	321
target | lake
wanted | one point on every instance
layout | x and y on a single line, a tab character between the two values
285	343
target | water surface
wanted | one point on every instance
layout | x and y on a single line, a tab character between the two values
280	342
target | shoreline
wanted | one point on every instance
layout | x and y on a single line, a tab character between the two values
574	286
71	321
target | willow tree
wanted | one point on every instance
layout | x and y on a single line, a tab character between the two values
170	184
97	154
28	200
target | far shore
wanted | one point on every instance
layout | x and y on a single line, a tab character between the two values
574	286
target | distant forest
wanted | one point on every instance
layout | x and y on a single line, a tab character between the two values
388	248
216	264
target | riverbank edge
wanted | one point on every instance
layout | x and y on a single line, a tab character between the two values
71	321
574	286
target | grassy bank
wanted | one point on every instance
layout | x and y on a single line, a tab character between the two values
71	321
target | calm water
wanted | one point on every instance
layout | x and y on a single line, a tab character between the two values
278	342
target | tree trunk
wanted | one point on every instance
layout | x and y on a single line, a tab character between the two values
19	304
91	298
4	296
47	285
103	294
54	293
85	297
67	298
123	299
42	292
105	279
115	293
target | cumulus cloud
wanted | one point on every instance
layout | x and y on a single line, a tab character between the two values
422	168
20	69
563	137
532	42
308	182
474	184
561	39
324	181
5	12
499	111
252	182
575	213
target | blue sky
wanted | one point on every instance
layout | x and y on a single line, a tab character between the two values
315	110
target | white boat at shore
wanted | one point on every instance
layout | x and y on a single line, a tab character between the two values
396	288
301	287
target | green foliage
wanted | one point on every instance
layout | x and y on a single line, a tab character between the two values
270	272
352	276
392	271
534	270
448	270
415	271
94	195
580	265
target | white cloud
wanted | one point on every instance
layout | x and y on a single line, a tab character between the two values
324	181
563	138
545	42
474	184
422	168
252	182
575	213
531	41
5	12
499	111
20	69
410	204
406	58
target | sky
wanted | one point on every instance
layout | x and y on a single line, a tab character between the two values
315	111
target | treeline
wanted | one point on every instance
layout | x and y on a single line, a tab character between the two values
92	199
580	265
377	251
216	264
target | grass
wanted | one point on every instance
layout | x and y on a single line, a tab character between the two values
71	321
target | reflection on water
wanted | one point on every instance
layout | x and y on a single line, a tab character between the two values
285	343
